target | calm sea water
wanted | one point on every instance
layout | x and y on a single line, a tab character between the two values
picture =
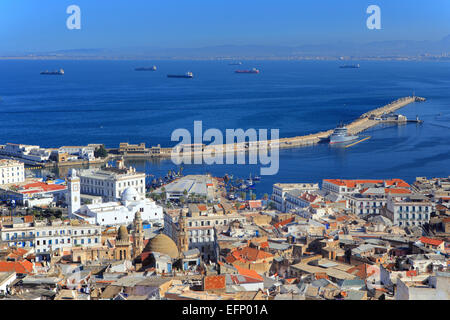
108	102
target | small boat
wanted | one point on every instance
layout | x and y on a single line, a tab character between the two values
253	70
256	178
186	75
57	72
350	66
153	68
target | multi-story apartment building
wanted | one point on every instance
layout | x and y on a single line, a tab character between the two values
110	182
411	210
11	171
45	238
201	231
281	189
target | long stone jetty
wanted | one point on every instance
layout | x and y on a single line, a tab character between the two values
364	122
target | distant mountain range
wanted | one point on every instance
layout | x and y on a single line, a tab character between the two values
400	48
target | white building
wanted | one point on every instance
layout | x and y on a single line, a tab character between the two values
11	171
45	238
280	190
110	182
29	153
411	210
82	152
119	213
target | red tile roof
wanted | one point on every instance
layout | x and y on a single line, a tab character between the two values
214	282
23	266
433	242
254	204
283	223
247	254
354	183
248	273
37	187
397	190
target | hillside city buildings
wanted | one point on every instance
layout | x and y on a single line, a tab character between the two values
103	234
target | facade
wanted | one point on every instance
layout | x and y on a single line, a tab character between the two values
110	182
46	238
126	148
11	171
82	152
408	211
281	189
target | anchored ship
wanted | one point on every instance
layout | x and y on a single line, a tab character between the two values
153	68
350	66
235	63
186	75
253	70
341	135
57	72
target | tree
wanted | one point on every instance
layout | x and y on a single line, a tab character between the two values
266	196
271	205
253	196
243	195
101	152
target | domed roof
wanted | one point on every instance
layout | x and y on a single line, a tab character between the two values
130	194
162	244
123	233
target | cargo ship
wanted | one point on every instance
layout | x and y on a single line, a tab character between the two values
341	135
57	72
153	68
235	63
350	66
254	70
186	75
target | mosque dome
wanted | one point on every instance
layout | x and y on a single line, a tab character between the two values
162	244
123	233
130	194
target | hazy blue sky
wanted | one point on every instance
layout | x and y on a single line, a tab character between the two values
40	25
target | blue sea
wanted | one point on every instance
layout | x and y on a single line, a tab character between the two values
108	102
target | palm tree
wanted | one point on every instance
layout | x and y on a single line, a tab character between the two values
266	196
243	195
253	196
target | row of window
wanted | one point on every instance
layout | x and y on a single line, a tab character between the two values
413	216
65	241
413	208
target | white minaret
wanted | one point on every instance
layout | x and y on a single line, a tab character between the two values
73	186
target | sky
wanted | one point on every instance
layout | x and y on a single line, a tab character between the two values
40	25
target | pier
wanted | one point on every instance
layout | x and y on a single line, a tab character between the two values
364	122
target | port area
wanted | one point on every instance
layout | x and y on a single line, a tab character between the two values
366	121
382	115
